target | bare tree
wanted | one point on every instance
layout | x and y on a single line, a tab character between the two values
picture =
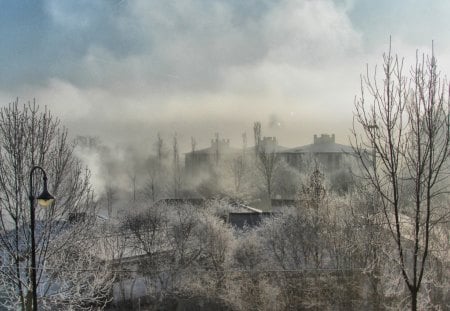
217	149
249	260
267	164
405	120
193	144
28	137
176	167
239	165
132	176
267	158
153	183
238	170
257	136
244	144
369	239
159	146
110	197
76	277
156	182
311	246
185	251
313	193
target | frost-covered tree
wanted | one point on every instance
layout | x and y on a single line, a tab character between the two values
31	136
184	250
157	183
176	168
77	277
251	280
310	245
266	159
404	119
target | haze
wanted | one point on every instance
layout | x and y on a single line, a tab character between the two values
125	70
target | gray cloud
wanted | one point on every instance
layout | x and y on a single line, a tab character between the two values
123	70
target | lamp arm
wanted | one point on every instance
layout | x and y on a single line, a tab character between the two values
36	167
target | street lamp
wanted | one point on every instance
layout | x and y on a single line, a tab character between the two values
44	199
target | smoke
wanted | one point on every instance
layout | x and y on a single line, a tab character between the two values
274	121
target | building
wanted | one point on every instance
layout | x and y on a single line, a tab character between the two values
207	158
209	167
268	145
220	152
324	150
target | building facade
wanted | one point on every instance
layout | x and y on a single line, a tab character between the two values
324	151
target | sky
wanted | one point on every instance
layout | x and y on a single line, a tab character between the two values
124	70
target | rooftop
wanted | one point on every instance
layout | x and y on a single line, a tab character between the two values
217	145
323	144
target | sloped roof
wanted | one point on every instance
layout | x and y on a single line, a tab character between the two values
213	150
270	148
321	148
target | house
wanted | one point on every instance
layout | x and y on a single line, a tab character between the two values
268	144
324	150
208	158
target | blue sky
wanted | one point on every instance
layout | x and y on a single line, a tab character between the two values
117	69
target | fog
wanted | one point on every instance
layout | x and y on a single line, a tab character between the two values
323	227
124	70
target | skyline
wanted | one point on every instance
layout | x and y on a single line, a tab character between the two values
125	70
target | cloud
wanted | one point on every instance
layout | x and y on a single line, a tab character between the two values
311	33
118	69
181	45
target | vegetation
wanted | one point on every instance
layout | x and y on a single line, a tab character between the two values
376	238
405	120
30	136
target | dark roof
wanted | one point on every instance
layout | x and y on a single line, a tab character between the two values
241	220
321	148
187	201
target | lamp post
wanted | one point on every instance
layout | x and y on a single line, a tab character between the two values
44	199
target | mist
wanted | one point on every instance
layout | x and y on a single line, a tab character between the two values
208	164
123	71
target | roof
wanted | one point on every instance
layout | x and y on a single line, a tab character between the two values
276	148
321	148
201	202
184	201
213	150
251	219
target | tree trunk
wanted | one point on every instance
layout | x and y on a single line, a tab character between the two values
414	293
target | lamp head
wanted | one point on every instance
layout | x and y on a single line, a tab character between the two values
45	199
